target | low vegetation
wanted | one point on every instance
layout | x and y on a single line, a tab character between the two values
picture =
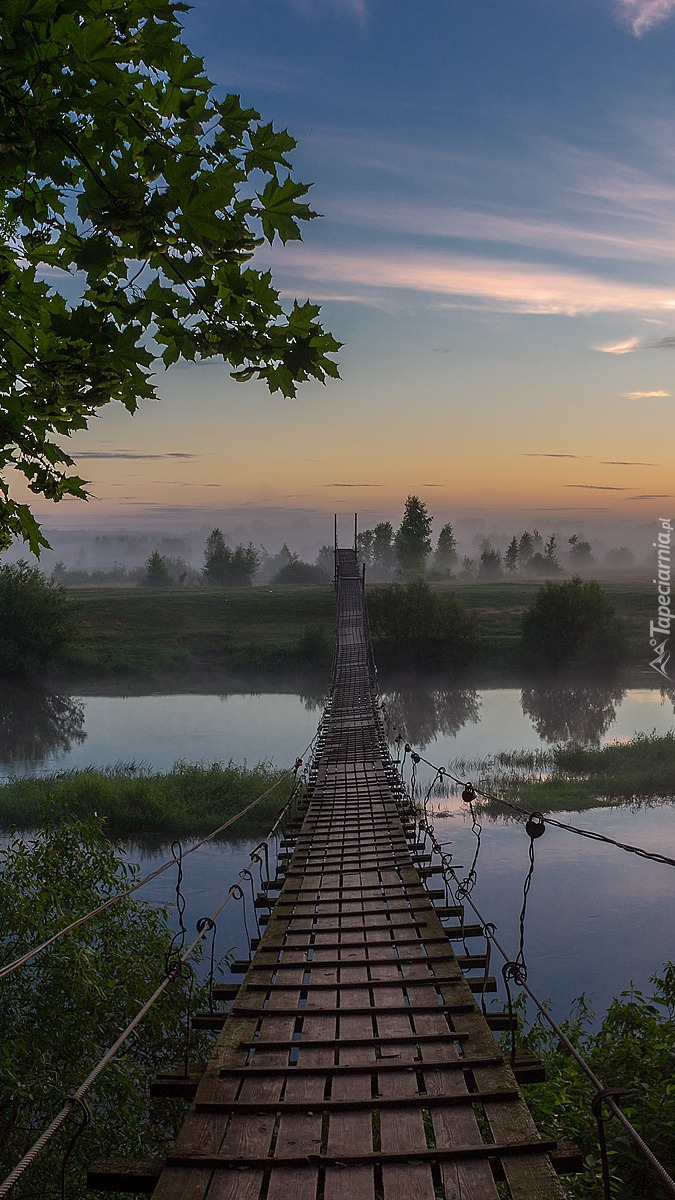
417	625
131	802
141	633
36	620
578	777
61	1011
633	1050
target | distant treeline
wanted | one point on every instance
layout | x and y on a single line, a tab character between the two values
408	552
388	554
223	566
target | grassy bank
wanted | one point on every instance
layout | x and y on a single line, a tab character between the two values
140	633
188	800
130	633
499	608
641	770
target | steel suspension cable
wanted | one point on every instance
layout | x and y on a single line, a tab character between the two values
173	970
519	975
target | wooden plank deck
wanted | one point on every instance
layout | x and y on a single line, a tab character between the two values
355	1062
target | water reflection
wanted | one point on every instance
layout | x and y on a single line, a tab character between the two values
424	712
34	724
582	713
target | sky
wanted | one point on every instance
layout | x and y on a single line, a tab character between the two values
496	252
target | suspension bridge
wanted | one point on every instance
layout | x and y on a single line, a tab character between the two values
354	1059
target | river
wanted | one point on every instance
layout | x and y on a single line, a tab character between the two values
597	917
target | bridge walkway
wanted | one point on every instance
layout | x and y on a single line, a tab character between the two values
354	1062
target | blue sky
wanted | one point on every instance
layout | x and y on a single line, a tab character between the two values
496	252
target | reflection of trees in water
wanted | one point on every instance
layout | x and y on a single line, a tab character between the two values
580	714
423	712
35	723
313	698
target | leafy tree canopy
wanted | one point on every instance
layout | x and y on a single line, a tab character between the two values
36	619
228	568
572	624
415	624
131	201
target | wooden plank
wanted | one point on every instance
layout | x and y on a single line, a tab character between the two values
353	1130
403	1130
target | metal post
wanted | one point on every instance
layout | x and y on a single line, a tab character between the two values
356	529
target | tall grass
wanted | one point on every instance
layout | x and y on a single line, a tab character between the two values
190	799
635	772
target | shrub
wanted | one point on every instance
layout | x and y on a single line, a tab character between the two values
301	574
422	626
572	624
36	619
63	1009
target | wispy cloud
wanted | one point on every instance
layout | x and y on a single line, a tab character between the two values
643	15
130	454
651	496
664	343
543	454
357	9
626	347
352	485
608	462
658	395
475	282
597	487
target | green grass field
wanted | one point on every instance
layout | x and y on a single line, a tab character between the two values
138	632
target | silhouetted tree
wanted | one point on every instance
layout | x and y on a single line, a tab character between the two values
156	571
445	555
490	566
228	568
511	555
412	541
581	554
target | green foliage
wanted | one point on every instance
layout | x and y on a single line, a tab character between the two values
633	1049
228	568
190	799
36	619
415	624
572	624
63	1010
297	573
120	166
412	542
156	571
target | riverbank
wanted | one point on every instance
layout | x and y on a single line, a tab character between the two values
188	801
269	633
575	778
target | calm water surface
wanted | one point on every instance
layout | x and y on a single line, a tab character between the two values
597	917
41	732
